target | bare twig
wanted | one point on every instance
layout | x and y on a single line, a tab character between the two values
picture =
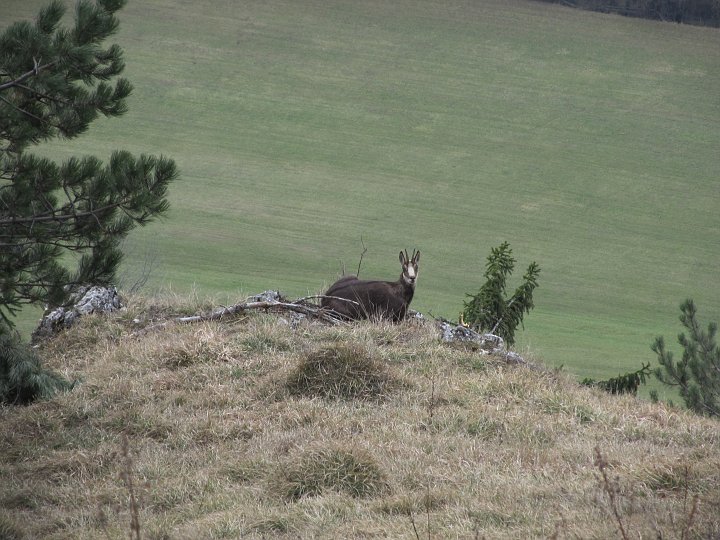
427	504
102	521
689	517
140	279
126	475
412	520
431	404
364	251
321	296
690	520
612	489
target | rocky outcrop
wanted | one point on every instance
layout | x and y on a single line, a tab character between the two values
267	296
86	300
485	343
454	333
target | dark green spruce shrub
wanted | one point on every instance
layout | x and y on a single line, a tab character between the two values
622	384
23	379
489	310
697	374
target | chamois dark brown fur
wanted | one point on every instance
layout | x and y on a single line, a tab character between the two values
354	298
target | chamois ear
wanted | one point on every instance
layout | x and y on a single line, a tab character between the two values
416	257
403	258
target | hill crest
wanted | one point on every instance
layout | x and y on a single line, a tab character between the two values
402	434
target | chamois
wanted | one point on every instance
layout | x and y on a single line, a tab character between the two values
355	298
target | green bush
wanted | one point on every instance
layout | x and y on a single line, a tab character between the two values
489	310
697	374
23	378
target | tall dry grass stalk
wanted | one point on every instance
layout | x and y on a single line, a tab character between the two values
127	477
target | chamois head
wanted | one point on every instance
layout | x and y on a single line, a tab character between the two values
409	267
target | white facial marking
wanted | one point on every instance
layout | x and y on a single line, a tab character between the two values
411	272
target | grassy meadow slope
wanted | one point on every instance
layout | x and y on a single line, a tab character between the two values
251	428
589	142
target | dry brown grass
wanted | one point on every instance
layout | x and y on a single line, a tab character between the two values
330	468
341	371
218	447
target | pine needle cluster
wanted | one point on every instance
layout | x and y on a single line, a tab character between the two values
23	378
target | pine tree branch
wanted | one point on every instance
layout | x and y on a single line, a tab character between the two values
497	324
31	115
78	246
42	218
43	95
35	71
71	200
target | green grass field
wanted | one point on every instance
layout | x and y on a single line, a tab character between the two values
589	142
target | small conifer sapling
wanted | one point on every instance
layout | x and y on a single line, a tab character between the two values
490	310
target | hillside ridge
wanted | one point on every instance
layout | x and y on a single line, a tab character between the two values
250	427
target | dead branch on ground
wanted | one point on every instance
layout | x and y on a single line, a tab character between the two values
302	306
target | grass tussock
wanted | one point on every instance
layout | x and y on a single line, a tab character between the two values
9	530
344	470
341	371
205	346
372	430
